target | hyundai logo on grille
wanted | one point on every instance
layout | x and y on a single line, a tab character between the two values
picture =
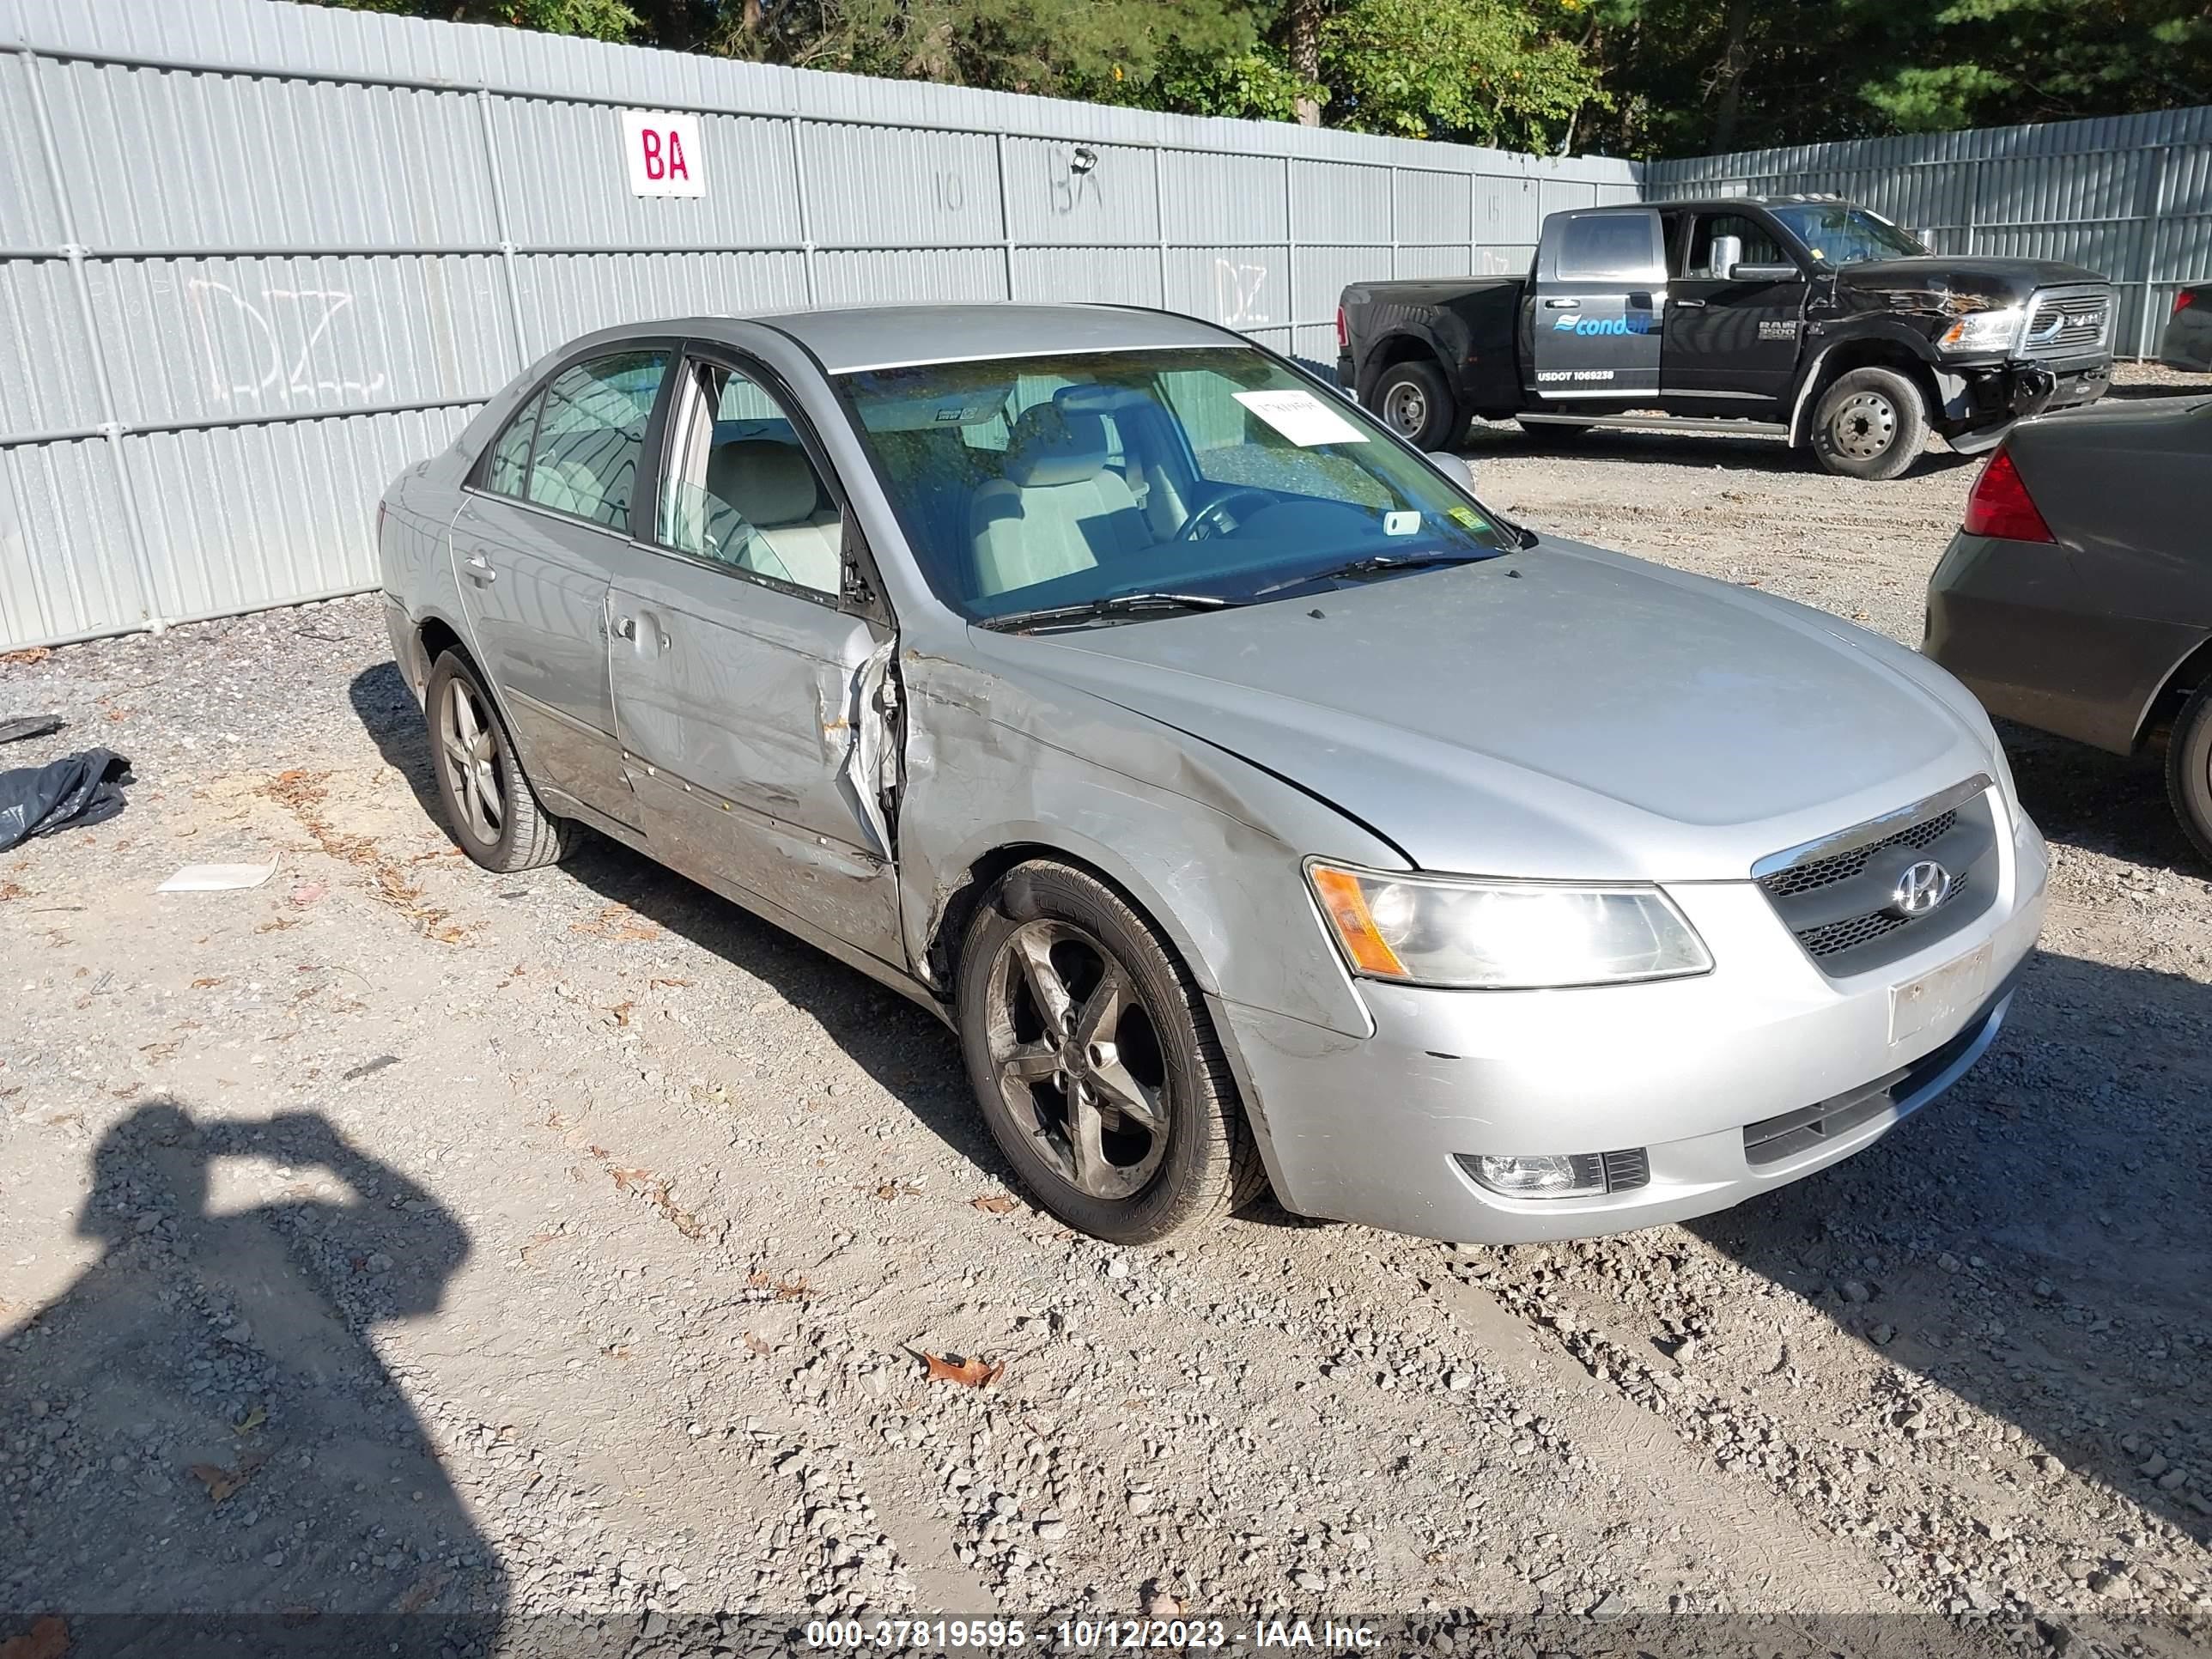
1921	888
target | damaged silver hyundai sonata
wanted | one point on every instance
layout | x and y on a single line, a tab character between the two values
1262	809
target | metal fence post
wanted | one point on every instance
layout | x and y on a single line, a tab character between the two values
2154	214
506	235
1006	209
1290	244
1160	220
110	427
799	184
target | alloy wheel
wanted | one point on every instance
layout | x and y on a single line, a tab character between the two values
1864	426
1076	1056
468	746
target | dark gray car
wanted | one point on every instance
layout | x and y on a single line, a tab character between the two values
2076	597
2188	340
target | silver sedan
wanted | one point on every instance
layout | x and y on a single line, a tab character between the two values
1262	809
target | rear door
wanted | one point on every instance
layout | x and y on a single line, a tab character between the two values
543	524
1734	338
1599	300
749	685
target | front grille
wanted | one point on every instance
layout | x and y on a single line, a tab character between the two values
1837	895
1625	1170
1837	937
1777	1140
2068	322
1825	872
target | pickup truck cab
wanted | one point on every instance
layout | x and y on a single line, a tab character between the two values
1793	314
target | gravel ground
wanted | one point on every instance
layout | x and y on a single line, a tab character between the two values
389	1236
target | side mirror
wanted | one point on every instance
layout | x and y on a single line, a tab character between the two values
1727	254
1457	468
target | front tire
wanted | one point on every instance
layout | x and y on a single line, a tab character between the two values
1416	402
1870	423
2189	770
1095	1063
492	810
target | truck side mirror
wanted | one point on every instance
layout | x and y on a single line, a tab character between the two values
1727	255
1457	468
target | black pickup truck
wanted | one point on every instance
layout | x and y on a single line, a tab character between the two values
1802	315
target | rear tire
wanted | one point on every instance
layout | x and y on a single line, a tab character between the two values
2189	770
1869	423
1416	402
1095	1063
493	813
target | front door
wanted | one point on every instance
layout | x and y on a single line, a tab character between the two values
748	690
1735	338
541	527
1600	299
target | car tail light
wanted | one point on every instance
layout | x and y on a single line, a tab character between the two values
1343	334
2182	301
2001	505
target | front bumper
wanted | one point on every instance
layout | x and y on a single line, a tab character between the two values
1981	395
1372	1129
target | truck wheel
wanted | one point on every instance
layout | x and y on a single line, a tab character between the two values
1870	423
2189	770
1416	403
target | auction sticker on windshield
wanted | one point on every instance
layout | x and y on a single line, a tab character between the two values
1300	417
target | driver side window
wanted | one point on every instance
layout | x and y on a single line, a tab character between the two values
1760	246
740	488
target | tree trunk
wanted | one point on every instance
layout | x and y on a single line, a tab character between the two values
1305	54
1732	69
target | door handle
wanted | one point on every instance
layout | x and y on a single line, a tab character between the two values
1563	305
1690	305
479	570
625	628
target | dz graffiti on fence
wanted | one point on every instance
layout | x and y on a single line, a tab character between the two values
269	347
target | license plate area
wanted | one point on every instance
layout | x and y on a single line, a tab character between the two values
1955	989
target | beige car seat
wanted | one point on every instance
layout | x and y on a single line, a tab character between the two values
1057	509
772	489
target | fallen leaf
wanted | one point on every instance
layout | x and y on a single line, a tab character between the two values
757	1345
621	1012
253	1420
221	1482
891	1190
626	1179
24	658
995	1203
677	984
48	1637
970	1372
11	890
205	981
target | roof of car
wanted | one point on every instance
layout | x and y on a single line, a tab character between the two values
1722	203
876	336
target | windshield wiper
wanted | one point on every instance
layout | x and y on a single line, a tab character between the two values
1114	604
1375	565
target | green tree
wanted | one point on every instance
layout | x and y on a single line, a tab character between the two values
1485	70
597	19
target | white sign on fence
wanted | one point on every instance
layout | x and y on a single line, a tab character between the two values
664	153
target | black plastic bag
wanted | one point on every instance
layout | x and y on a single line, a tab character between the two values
74	791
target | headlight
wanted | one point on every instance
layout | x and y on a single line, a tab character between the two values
1984	330
1503	935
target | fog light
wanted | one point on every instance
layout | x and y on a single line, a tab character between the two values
1565	1175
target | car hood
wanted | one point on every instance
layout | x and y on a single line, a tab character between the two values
1563	712
1940	276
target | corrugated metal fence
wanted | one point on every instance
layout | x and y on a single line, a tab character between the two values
2130	195
255	258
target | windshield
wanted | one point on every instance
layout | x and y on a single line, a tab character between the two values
1845	235
1212	473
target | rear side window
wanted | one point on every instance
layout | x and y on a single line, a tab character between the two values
1619	245
509	471
584	437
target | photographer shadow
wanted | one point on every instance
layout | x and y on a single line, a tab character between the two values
208	1426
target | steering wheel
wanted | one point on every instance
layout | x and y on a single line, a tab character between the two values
1208	521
